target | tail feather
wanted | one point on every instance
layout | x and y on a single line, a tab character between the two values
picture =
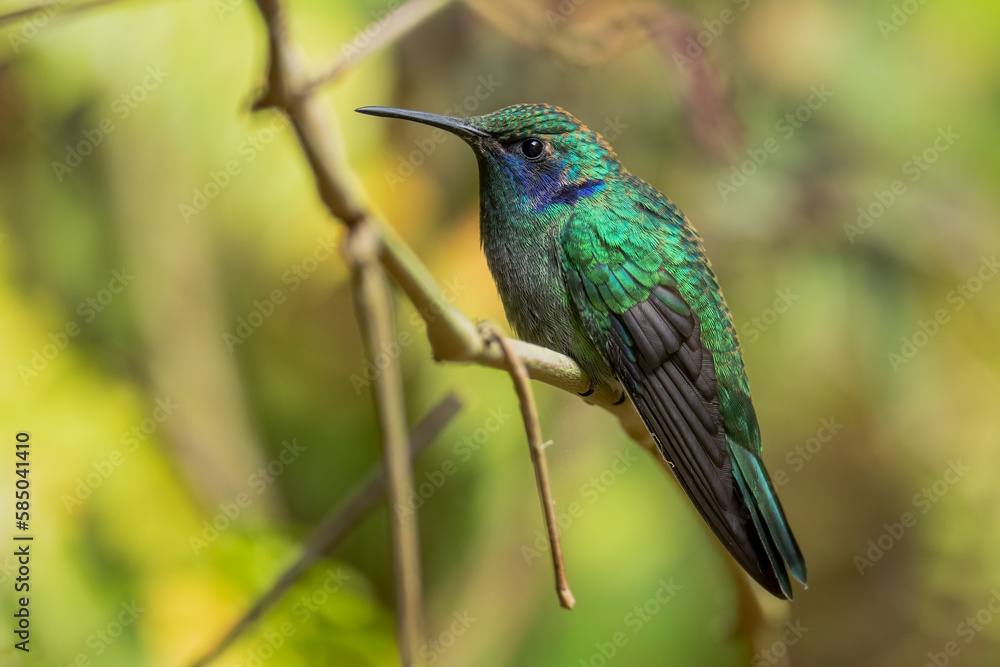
768	517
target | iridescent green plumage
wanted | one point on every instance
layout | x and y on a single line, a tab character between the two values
593	262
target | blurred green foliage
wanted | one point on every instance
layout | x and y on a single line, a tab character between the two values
127	144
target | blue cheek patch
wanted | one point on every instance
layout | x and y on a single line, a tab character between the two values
568	193
543	187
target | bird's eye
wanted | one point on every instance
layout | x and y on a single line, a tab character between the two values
532	148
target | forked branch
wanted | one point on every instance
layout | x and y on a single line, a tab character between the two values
337	523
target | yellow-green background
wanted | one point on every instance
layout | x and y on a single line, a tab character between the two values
162	337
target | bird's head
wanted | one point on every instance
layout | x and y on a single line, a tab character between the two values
537	153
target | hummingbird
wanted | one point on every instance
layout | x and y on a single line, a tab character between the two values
595	263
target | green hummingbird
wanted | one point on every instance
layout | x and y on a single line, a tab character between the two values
595	263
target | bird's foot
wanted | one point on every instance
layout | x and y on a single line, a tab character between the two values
620	400
590	389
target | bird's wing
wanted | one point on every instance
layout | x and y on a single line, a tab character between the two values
622	275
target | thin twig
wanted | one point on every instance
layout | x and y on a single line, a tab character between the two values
337	523
285	76
386	30
373	302
529	413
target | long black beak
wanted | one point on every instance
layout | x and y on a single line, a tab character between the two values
457	126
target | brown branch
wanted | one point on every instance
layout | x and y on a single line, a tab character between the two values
285	77
529	413
373	302
451	334
337	523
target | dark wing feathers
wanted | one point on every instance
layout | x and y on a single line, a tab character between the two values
632	309
671	379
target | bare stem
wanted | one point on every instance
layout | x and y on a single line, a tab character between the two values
337	523
529	413
374	305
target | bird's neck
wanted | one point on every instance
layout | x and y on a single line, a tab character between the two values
528	203
520	244
515	231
